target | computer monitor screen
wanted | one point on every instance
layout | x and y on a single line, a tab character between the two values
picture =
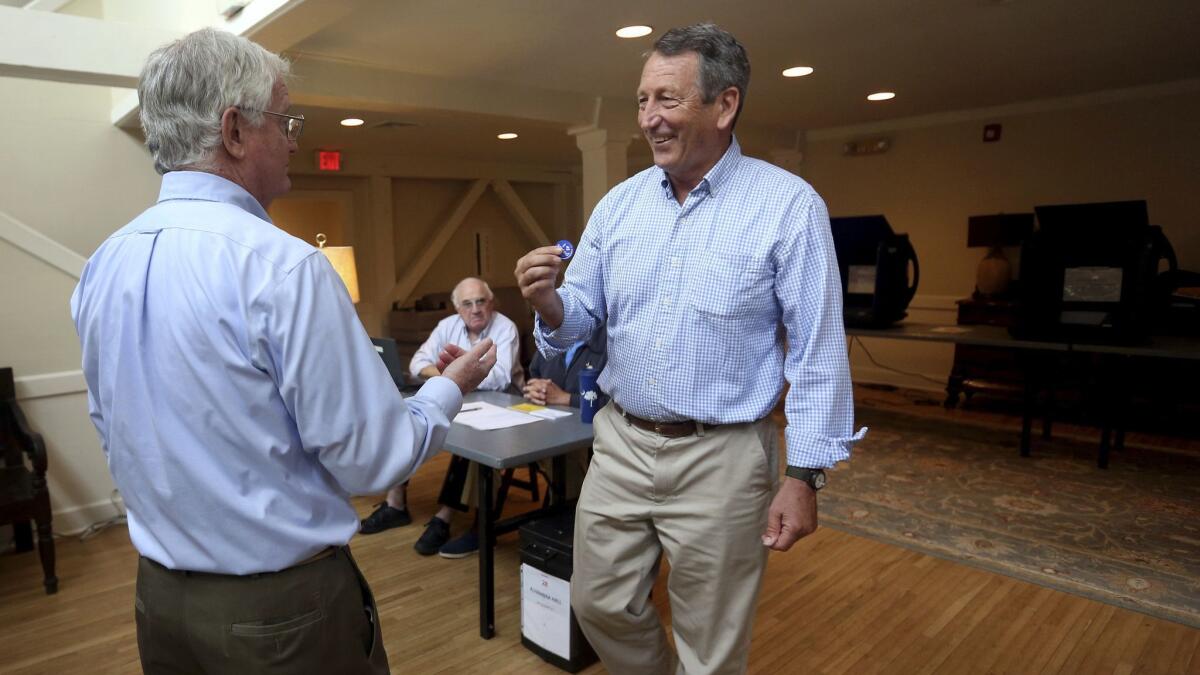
391	358
856	240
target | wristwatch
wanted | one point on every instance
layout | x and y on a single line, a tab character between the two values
814	477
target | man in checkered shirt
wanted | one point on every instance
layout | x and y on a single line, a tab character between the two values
715	276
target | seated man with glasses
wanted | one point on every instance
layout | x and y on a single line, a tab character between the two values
475	320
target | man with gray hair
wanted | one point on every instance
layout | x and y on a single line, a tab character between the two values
237	397
475	318
700	267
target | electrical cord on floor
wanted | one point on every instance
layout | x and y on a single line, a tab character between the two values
100	526
854	339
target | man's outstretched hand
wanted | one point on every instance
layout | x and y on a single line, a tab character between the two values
467	368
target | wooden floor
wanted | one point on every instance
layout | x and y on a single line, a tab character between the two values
835	604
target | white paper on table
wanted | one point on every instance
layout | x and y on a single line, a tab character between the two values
550	413
546	610
487	416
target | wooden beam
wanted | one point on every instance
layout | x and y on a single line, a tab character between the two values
516	207
418	269
40	246
75	49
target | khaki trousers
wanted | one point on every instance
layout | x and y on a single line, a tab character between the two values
316	617
701	499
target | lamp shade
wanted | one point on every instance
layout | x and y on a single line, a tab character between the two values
1002	229
342	259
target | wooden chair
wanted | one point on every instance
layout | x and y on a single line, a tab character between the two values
24	495
509	480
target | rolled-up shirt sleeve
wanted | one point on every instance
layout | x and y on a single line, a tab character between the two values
582	291
346	407
820	402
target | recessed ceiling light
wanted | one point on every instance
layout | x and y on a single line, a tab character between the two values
634	31
797	71
881	96
352	122
506	136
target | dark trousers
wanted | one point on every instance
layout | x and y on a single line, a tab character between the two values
316	617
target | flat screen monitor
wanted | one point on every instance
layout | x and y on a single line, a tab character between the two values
386	347
856	240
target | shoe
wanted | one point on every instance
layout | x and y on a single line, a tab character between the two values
384	518
436	534
461	547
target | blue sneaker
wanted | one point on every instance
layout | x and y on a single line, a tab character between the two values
461	547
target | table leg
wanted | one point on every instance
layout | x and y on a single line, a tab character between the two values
487	553
558	486
1029	400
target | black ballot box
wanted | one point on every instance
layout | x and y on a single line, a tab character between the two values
548	625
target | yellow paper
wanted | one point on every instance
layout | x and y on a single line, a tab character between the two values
526	407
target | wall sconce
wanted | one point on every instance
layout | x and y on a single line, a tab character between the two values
342	259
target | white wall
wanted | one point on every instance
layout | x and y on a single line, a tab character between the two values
70	178
1140	144
69	175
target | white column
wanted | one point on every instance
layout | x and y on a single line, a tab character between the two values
375	246
604	164
792	160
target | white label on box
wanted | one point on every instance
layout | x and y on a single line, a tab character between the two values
546	610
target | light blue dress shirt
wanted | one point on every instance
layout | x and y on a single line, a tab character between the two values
237	396
453	329
701	298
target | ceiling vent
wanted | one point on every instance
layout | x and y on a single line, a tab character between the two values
394	124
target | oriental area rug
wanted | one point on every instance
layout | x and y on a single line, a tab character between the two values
1128	535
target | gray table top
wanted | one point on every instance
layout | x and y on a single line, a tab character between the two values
1160	346
520	445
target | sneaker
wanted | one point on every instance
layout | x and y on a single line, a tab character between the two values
461	547
384	518
437	532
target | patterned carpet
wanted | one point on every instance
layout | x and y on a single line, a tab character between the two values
1129	535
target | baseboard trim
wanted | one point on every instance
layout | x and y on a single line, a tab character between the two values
872	375
71	521
45	385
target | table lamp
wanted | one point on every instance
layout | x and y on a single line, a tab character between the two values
995	232
342	259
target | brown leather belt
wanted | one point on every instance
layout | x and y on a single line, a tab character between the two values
668	429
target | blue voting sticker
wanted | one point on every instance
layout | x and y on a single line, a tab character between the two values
567	249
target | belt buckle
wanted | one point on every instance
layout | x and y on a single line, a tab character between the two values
658	428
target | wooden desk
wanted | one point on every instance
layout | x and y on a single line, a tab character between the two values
503	449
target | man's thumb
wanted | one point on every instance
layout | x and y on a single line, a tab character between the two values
480	349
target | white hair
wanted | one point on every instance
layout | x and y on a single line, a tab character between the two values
487	290
187	85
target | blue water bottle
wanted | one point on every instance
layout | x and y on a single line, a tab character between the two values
589	394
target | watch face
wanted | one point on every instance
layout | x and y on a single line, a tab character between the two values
818	480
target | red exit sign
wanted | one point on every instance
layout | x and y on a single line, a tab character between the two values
329	160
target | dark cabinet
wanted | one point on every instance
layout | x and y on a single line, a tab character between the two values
990	370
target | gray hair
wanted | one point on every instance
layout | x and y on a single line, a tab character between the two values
186	86
487	290
723	60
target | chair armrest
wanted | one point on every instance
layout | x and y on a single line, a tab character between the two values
30	440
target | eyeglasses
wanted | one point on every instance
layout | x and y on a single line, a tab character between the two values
293	126
471	304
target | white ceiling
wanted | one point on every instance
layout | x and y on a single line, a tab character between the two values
937	55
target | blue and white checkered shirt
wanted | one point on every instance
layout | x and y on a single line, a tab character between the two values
700	298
